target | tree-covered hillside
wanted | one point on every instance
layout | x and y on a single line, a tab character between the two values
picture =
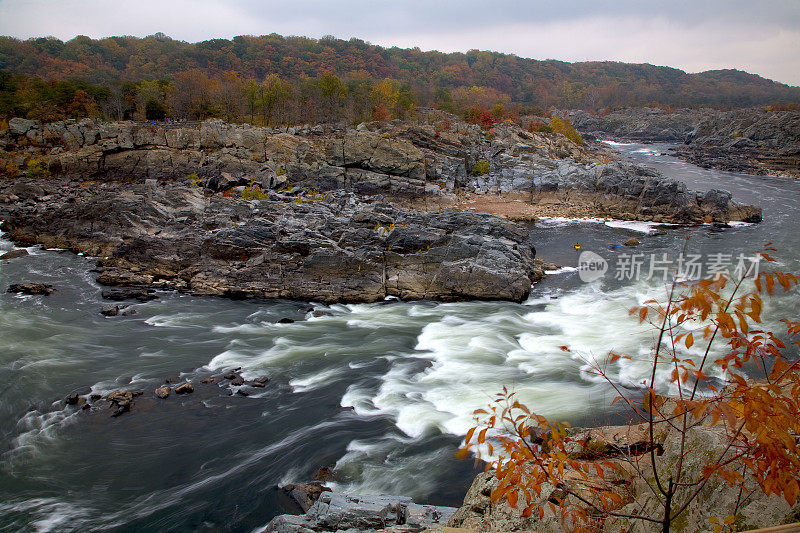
284	79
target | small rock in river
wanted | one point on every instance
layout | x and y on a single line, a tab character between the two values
323	474
31	288
285	321
129	293
163	392
72	399
14	254
184	388
633	241
112	310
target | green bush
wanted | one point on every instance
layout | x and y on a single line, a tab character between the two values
37	168
481	168
195	180
254	192
565	128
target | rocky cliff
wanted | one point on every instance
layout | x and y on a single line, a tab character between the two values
753	141
434	157
749	141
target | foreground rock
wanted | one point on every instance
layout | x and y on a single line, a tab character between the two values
339	512
623	452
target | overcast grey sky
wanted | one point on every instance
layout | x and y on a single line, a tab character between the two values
762	37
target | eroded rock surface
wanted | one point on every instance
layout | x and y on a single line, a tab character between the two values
336	249
342	512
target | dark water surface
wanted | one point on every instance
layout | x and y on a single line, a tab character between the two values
381	392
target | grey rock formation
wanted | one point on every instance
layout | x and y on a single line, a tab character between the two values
639	123
399	160
336	249
753	141
342	512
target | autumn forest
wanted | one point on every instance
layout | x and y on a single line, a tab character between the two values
274	80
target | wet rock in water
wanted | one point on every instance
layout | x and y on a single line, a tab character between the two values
121	409
305	494
163	392
259	382
86	407
633	241
94	397
185	388
317	313
285	321
175	379
119	294
323	474
31	288
243	392
230	376
14	254
119	396
110	310
72	399
117	310
210	379
121	401
237	381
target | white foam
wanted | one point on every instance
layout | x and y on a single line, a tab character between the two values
615	143
636	225
560	270
314	381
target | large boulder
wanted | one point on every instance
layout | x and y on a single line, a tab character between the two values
21	126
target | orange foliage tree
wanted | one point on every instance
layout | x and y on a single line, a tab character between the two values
757	421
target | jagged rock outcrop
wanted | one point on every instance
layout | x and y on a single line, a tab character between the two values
399	160
335	248
342	512
753	141
639	123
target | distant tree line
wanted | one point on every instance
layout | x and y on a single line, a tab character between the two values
277	80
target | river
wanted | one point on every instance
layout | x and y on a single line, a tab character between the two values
381	393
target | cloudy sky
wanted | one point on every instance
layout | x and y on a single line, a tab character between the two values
762	37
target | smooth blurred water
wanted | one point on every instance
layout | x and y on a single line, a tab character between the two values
383	393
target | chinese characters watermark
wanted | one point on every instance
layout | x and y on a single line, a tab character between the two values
662	267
